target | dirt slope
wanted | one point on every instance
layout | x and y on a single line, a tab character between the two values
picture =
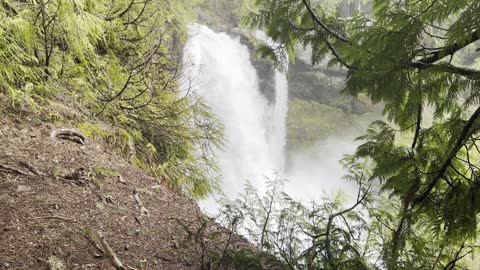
56	194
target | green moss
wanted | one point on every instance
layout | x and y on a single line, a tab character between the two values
92	131
89	234
310	122
54	117
103	171
98	175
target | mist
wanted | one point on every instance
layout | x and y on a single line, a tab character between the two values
318	173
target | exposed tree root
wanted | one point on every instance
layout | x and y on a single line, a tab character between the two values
107	250
8	169
31	168
70	135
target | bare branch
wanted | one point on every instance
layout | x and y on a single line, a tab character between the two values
322	25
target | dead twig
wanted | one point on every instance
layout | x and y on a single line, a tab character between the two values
107	250
92	238
54	217
121	180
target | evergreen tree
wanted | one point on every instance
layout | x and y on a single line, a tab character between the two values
414	57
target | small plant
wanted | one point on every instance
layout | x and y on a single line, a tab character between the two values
142	263
98	174
89	234
54	263
58	172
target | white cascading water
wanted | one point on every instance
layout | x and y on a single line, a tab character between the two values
279	110
254	129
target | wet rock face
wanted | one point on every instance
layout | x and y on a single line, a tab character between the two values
265	69
324	86
305	81
307	84
266	76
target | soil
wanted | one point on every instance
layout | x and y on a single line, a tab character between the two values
56	194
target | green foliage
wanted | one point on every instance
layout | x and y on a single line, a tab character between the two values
103	171
336	234
244	259
118	62
410	56
300	236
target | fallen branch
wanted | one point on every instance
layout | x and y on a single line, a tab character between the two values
107	250
70	134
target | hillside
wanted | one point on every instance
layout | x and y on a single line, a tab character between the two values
56	194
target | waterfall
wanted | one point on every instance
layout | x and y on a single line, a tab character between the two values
279	110
254	128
